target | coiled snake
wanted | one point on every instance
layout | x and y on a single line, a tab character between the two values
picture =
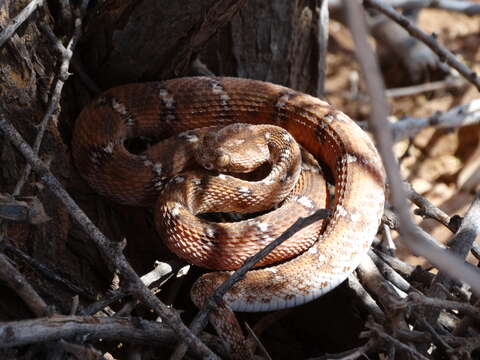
172	109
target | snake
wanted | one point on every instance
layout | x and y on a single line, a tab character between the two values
175	115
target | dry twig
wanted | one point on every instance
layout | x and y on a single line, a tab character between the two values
458	116
467	7
17	282
46	271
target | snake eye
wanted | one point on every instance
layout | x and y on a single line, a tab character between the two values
208	166
223	160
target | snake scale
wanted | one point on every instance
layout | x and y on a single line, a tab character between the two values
173	109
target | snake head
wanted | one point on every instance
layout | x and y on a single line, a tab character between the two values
214	160
235	148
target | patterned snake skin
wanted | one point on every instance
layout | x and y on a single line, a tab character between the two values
171	110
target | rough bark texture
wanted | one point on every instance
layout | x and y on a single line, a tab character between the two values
269	40
129	41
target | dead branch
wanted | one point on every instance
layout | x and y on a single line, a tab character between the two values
390	274
130	330
467	7
17	282
427	209
448	83
458	116
45	271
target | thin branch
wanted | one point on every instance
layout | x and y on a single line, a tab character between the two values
18	20
322	42
419	242
449	82
436	338
130	330
110	298
427	209
467	7
373	280
111	252
406	270
429	40
458	116
46	271
390	274
366	299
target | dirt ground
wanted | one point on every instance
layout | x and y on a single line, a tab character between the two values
438	162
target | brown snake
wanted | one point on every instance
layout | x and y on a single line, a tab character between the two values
171	109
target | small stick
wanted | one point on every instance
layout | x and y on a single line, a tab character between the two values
17	282
429	86
426	208
458	116
390	274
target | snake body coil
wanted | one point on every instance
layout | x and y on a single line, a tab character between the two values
172	109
